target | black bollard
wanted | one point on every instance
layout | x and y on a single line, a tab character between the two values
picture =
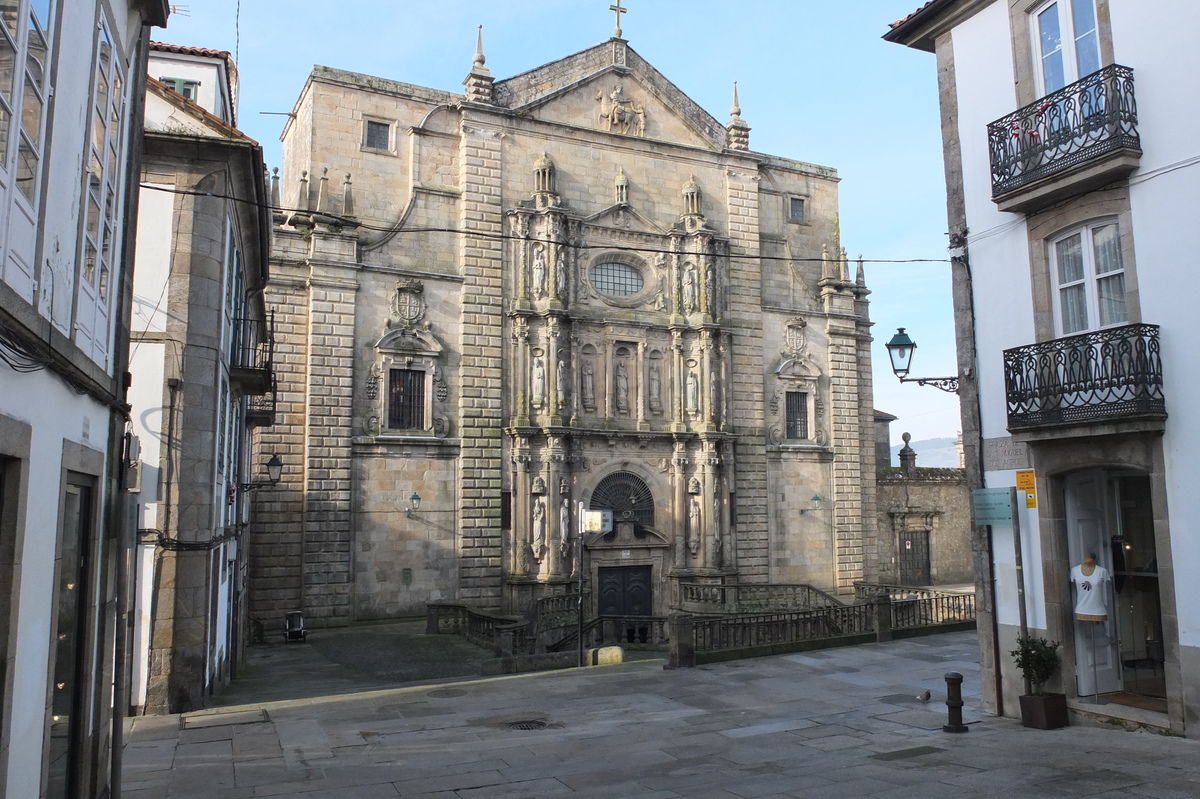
954	703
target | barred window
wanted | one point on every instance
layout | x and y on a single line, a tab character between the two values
617	279
797	415
377	135
796	209
406	399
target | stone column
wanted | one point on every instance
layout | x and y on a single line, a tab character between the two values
520	520
555	456
679	479
679	377
610	380
520	228
552	334
520	336
576	360
710	525
707	411
642	399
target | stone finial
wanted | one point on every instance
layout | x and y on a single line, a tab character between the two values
908	455
622	187
825	264
302	200
347	197
323	192
737	132
691	196
479	80
276	204
543	174
860	275
301	217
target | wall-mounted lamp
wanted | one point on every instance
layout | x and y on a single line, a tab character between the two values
414	504
274	468
813	504
900	350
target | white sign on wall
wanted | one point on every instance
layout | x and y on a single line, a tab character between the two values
597	521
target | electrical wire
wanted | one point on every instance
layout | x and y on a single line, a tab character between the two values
337	219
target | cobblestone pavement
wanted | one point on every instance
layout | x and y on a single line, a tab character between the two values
834	723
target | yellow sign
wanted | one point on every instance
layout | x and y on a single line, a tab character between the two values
1031	499
1025	480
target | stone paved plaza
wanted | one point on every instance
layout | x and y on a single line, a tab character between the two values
834	723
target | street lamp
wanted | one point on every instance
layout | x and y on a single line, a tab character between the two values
274	468
901	349
813	504
414	504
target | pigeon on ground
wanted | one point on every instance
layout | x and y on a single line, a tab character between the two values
924	697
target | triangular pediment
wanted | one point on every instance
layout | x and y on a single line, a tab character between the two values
624	216
168	112
611	88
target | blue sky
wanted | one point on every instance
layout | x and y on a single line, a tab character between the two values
815	80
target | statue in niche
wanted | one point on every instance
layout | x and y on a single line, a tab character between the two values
660	302
560	377
563	488
560	278
539	272
589	384
539	485
655	387
539	383
693	531
538	540
564	527
693	393
716	524
660	260
622	388
689	290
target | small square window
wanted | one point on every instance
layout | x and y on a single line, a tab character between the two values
795	209
377	135
182	86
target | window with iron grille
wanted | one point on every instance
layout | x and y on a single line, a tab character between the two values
377	135
797	415
617	279
796	209
406	399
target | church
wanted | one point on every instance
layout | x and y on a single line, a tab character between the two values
500	310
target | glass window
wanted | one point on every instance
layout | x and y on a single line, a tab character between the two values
406	399
1089	279
377	135
796	409
1068	42
796	209
617	279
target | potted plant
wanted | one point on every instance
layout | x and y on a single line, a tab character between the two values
1038	660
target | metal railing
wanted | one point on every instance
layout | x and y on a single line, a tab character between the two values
637	632
927	611
251	353
865	592
1081	121
752	598
1095	376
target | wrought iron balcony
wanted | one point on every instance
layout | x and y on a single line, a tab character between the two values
260	408
251	354
1103	376
1089	123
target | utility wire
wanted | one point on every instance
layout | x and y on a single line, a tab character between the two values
338	219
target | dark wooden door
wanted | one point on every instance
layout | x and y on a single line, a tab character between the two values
625	591
914	558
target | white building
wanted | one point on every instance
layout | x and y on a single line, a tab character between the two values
201	366
1072	163
69	147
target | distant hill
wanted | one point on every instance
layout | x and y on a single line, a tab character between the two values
930	452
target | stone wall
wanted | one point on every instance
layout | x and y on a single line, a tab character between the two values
926	498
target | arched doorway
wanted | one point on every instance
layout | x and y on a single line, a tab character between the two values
628	559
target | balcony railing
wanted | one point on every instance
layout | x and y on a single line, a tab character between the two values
1076	124
251	354
1101	376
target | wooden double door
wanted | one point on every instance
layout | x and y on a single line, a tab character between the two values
627	592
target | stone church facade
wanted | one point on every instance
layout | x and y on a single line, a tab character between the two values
570	290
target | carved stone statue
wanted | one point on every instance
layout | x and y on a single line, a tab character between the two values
561	380
539	485
655	387
564	527
538	388
620	114
560	278
693	393
538	540
622	388
689	290
589	385
710	286
539	272
693	531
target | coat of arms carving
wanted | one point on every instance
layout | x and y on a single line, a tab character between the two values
408	303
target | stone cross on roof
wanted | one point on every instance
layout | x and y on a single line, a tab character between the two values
617	11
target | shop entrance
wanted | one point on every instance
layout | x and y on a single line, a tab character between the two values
1109	516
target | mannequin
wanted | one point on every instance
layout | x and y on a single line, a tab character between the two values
1091	607
1091	598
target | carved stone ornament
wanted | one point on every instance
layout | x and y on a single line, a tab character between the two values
408	302
693	486
620	114
539	485
371	425
795	338
373	378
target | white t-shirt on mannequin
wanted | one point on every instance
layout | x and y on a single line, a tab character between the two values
1090	594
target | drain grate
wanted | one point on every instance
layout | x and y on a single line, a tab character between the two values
447	693
527	724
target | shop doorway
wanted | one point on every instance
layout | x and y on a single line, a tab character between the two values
1109	517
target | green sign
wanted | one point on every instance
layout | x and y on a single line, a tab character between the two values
992	506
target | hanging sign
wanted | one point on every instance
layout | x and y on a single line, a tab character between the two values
991	506
597	521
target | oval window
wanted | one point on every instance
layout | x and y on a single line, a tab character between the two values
617	279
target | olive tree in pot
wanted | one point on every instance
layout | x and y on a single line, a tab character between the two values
1038	660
